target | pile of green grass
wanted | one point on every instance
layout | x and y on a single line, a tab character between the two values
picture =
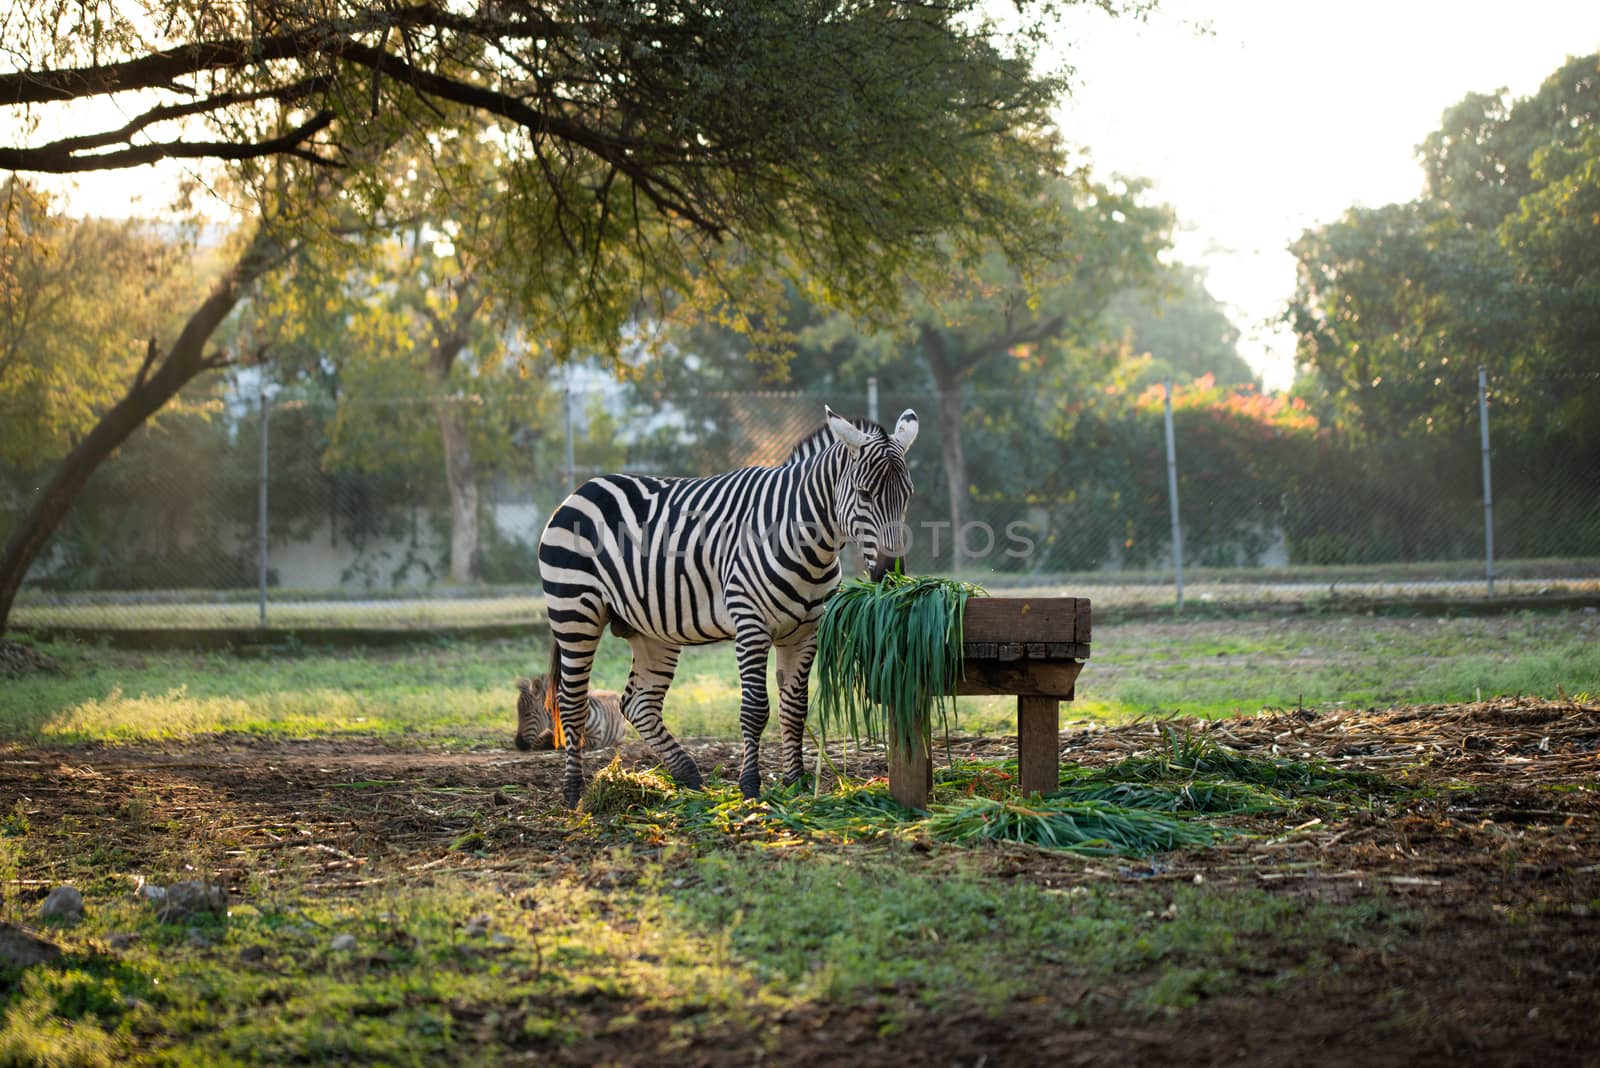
1201	762
889	655
1096	828
1174	798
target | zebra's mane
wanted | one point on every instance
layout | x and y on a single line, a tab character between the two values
820	438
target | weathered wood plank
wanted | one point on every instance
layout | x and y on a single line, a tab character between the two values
1024	619
910	775
1043	678
1031	650
1038	744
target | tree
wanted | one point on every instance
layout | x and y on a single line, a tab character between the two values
1006	321
1396	306
638	138
162	373
621	121
1181	328
80	300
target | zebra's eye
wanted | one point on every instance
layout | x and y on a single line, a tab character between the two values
863	496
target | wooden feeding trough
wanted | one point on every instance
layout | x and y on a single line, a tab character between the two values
1033	647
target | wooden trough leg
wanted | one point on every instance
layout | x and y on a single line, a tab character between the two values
1039	744
910	775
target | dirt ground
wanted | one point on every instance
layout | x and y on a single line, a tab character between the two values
1500	967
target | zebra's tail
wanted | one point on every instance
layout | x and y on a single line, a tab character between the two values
552	701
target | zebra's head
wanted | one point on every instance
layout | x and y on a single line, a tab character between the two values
533	721
874	490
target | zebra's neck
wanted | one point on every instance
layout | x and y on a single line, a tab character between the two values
818	489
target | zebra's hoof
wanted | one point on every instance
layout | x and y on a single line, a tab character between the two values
688	776
523	743
750	784
798	778
572	794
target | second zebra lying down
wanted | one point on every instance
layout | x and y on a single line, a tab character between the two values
604	727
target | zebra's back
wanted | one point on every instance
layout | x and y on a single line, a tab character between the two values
662	553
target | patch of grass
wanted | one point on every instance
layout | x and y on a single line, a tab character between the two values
448	970
461	694
839	930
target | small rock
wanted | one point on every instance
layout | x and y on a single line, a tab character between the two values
62	903
478	925
19	949
198	938
151	892
120	940
342	942
503	941
252	954
190	898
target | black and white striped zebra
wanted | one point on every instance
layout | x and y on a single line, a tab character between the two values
751	555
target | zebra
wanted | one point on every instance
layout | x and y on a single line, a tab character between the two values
751	555
604	727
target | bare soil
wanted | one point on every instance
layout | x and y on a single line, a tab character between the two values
1497	855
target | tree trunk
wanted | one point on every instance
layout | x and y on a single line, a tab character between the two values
947	383
463	483
460	475
184	361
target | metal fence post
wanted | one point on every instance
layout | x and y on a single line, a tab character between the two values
1488	495
1172	497
261	503
872	398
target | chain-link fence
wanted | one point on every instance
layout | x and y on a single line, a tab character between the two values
425	512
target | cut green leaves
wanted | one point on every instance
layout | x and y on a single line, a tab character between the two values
889	654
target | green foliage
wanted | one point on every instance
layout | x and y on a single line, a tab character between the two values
1181	328
1493	266
80	301
888	654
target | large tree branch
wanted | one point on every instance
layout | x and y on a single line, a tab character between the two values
160	70
53	159
168	112
1029	333
646	163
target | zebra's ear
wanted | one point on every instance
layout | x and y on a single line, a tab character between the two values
905	430
853	437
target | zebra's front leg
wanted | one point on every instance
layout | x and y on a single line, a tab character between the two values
752	643
794	683
653	667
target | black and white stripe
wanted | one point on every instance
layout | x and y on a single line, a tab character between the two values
751	556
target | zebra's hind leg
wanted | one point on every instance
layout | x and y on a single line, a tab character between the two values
752	643
794	681
654	663
576	647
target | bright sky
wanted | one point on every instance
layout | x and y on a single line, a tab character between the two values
1259	118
